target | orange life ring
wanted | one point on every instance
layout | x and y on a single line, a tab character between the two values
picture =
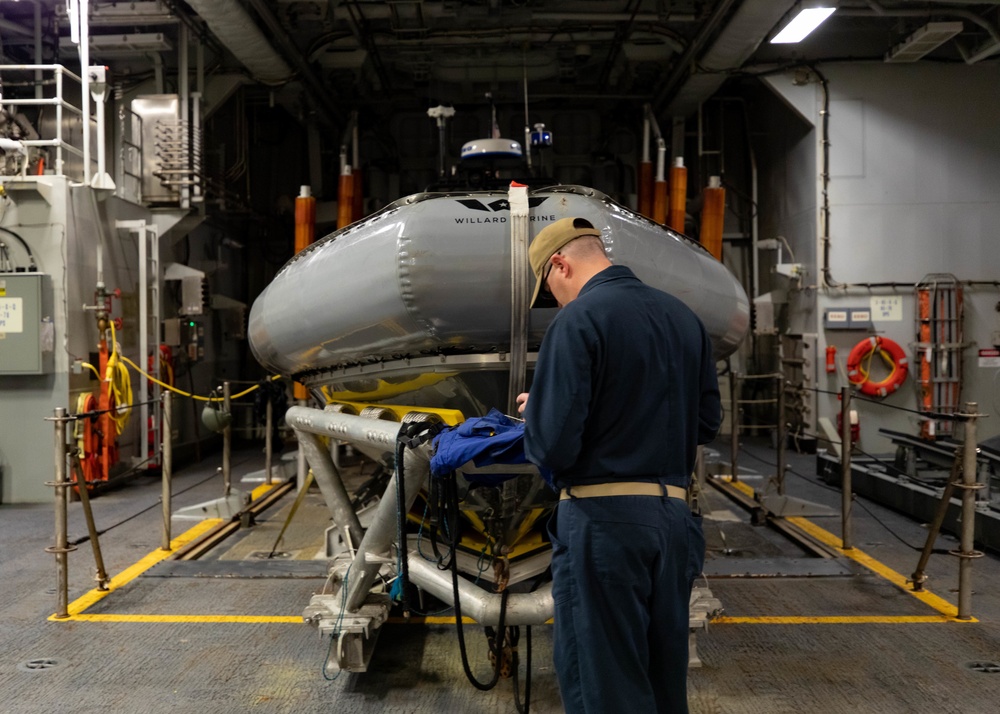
860	358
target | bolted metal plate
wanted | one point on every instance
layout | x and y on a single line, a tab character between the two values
39	664
775	567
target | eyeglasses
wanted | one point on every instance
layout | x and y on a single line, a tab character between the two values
545	276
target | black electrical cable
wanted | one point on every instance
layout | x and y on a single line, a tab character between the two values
404	570
497	648
527	675
31	256
409	435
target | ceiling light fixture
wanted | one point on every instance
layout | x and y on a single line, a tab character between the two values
804	18
927	39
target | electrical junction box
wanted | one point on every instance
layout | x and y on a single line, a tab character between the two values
27	333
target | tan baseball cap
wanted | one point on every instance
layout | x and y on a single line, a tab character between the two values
549	241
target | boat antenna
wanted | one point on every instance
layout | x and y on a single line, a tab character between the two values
527	126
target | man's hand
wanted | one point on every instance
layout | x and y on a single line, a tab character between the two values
522	402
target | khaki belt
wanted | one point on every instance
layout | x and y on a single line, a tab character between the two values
622	488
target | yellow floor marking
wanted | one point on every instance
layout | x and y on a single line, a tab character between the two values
949	611
262	489
255	619
134	571
928	598
836	620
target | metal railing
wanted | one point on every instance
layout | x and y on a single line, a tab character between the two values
58	144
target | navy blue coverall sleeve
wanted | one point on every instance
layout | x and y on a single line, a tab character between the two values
560	396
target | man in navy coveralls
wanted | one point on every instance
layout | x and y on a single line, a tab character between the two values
624	390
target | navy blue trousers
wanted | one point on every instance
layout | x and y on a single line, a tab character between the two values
622	569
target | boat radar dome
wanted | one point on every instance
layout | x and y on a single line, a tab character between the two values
492	149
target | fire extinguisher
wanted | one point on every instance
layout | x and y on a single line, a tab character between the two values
831	354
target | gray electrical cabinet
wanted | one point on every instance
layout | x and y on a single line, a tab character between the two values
27	334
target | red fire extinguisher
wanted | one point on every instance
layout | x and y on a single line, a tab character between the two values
831	354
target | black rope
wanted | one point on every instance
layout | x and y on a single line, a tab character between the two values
158	503
941	416
97	412
855	499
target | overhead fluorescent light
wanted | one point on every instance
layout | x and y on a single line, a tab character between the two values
805	18
927	39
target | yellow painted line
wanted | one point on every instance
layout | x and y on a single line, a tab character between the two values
947	610
254	619
928	598
134	571
262	489
836	620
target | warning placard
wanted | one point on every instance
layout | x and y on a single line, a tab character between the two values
989	358
11	314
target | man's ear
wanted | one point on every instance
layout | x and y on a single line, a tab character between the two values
559	263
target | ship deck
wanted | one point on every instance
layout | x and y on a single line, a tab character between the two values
224	633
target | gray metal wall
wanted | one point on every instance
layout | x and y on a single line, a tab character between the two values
913	190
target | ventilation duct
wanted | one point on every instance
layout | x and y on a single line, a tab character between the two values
235	29
736	43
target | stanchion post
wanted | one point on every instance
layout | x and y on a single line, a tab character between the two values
167	460
845	465
734	423
88	514
268	444
780	426
62	548
227	442
969	486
